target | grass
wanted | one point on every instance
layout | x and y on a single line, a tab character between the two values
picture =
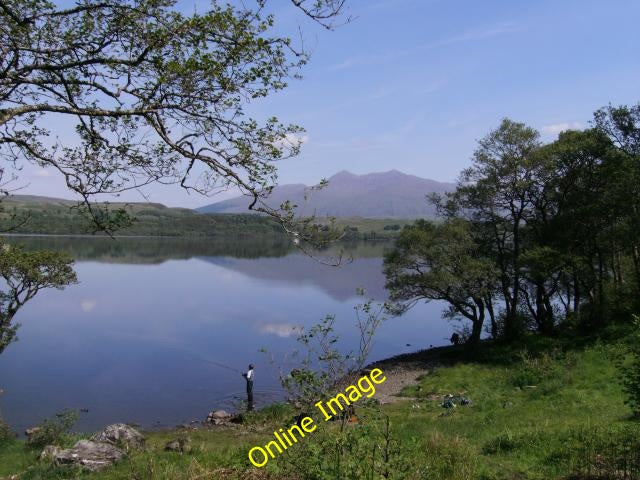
535	408
533	429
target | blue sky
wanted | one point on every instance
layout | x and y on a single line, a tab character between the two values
412	84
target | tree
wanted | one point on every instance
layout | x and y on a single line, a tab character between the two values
154	95
622	126
494	194
25	274
442	262
629	368
574	221
559	222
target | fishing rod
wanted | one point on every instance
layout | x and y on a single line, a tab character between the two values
213	362
200	358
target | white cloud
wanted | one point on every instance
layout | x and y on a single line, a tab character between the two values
283	330
87	305
477	34
291	140
42	172
556	128
386	55
341	66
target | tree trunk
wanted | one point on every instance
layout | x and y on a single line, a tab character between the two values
576	292
635	254
492	317
476	328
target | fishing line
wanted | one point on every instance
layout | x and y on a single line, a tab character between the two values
200	358
213	362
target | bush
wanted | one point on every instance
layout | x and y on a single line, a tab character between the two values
448	458
606	453
54	431
629	366
5	432
534	370
369	449
505	442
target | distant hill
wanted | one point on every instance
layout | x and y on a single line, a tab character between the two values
35	199
41	201
45	215
390	195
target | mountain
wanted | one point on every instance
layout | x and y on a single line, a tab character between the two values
390	194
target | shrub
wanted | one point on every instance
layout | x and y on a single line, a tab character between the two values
54	431
448	458
369	449
534	370
5	432
606	453
629	366
504	442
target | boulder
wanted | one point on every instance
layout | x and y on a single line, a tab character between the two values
237	418
49	453
29	432
89	455
121	435
180	445
218	417
173	446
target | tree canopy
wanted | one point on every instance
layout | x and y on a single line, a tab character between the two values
556	226
150	94
442	262
24	274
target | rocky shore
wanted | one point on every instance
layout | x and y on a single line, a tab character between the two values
116	441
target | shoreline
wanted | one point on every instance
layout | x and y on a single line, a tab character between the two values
401	370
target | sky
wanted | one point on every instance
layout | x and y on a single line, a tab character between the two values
412	85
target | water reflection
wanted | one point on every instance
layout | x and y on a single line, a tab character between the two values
140	339
156	250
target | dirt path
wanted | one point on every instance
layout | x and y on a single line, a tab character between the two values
406	369
398	377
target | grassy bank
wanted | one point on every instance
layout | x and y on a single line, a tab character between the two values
546	408
538	409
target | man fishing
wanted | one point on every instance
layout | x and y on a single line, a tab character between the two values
249	378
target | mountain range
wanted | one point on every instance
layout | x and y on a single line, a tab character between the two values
391	194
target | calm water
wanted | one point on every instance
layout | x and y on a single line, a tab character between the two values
134	341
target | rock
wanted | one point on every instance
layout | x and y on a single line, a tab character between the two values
122	435
49	453
218	417
238	418
90	455
29	432
173	446
180	445
448	404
